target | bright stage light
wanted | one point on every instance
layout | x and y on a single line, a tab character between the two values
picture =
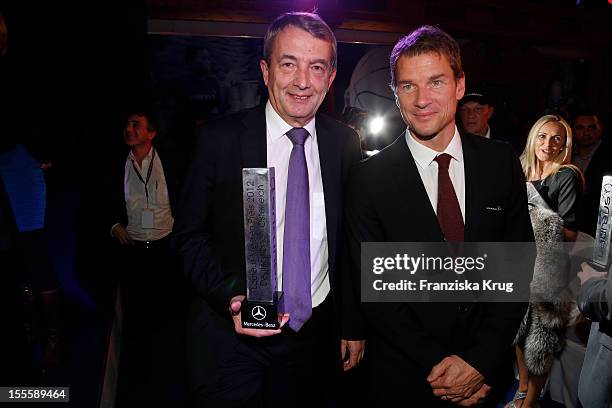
376	125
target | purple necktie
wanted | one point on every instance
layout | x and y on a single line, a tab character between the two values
296	241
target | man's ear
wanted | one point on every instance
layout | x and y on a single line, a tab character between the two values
460	87
332	76
264	70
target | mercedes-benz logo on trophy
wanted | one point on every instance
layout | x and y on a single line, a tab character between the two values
258	313
260	309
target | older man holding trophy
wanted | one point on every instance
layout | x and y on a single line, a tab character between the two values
275	173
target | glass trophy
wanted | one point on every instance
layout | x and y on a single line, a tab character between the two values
260	309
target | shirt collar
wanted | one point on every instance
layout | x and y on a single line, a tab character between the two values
423	155
488	134
277	127
147	157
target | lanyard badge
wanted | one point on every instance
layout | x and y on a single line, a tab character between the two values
147	218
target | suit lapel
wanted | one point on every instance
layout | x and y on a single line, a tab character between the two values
330	161
471	171
411	191
253	139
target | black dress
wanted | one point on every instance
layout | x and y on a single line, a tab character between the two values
562	192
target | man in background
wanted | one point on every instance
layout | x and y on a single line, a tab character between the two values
594	158
475	112
143	187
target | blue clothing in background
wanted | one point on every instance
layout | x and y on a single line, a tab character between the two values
25	185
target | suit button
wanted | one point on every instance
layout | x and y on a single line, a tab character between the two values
463	308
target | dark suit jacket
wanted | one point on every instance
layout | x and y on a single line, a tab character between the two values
387	202
600	165
595	389
209	231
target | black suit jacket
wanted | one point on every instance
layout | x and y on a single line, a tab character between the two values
387	202
600	165
209	231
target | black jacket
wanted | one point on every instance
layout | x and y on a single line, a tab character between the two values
209	232
387	202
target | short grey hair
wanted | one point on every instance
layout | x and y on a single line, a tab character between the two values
309	22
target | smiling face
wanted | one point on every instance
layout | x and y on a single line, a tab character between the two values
427	93
550	141
299	75
137	132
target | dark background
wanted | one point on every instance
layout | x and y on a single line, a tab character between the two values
80	66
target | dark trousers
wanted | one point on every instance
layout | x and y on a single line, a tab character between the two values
151	371
289	369
37	270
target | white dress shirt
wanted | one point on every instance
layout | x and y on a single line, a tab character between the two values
136	200
488	134
279	150
428	168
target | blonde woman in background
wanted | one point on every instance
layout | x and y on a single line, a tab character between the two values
554	188
546	163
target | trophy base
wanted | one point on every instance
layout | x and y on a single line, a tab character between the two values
261	315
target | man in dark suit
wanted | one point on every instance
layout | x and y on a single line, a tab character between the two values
140	219
311	154
433	184
594	158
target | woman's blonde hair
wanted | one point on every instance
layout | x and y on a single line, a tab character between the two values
528	158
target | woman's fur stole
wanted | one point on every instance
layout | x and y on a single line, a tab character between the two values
539	333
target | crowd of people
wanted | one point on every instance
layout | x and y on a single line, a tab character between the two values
448	177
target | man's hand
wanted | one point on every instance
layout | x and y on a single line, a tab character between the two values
352	352
455	380
121	235
477	398
236	305
588	272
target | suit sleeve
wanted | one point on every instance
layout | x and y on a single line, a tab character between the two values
595	299
193	238
395	322
353	325
502	320
569	197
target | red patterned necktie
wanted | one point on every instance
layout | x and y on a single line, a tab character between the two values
449	212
